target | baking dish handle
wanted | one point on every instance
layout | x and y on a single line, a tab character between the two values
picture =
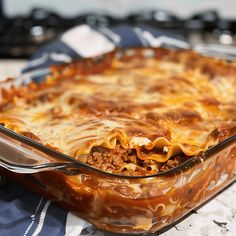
20	157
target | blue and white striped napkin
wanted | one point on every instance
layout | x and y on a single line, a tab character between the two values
85	41
24	213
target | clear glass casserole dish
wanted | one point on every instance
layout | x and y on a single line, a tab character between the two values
116	203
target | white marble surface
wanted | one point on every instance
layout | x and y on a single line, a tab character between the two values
217	217
10	68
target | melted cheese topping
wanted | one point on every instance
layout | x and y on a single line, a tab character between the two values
178	102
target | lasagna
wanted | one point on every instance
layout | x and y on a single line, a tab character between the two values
137	112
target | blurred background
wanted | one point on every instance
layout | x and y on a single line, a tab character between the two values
29	24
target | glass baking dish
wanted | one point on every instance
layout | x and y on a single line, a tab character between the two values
116	203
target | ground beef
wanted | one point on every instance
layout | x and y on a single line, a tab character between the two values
173	162
126	162
107	159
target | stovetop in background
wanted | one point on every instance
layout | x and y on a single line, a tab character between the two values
20	37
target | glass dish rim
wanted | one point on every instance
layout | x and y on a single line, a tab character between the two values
200	158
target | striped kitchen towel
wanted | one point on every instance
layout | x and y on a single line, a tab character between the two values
24	213
85	41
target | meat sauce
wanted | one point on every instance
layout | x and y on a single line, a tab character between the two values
126	162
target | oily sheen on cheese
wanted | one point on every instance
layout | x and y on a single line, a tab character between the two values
173	103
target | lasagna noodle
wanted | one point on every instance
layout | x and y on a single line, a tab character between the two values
159	107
